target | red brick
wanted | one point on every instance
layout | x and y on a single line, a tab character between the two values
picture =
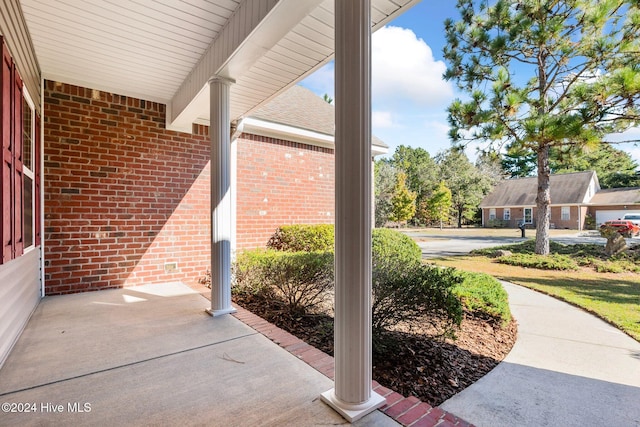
143	191
400	407
414	413
427	421
391	399
383	391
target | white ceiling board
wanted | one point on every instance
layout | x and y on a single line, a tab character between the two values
151	48
143	47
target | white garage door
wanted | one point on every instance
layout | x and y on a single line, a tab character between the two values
602	216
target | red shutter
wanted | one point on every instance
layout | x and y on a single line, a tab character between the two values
6	156
18	201
37	170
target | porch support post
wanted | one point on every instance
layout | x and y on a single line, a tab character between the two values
352	395
220	132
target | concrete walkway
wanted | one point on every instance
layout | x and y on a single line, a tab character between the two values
150	355
567	368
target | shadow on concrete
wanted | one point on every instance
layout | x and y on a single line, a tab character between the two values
150	355
518	395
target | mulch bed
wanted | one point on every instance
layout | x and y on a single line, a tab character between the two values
413	363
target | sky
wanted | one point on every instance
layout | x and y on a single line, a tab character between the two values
409	95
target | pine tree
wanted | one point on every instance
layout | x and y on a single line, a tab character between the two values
542	74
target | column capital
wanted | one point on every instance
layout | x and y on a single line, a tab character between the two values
224	80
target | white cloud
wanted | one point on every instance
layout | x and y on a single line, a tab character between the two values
381	119
404	70
633	149
632	134
437	130
634	152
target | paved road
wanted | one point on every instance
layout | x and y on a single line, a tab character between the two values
437	245
567	368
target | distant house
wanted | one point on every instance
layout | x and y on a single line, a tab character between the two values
574	198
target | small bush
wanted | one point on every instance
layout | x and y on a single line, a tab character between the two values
607	267
392	249
302	280
481	293
413	293
527	247
301	237
614	265
405	290
549	262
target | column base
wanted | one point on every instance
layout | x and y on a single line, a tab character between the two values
216	313
351	412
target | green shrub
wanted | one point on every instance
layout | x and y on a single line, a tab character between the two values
549	262
608	267
481	293
407	291
412	293
526	247
303	237
616	265
404	290
390	248
302	280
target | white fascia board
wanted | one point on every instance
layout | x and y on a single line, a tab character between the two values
288	133
377	150
291	133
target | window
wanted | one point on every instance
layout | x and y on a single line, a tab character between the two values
28	162
492	214
528	215
19	164
506	215
566	213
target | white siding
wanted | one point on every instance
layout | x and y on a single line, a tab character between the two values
19	278
14	30
19	296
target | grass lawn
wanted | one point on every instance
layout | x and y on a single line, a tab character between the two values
614	297
483	232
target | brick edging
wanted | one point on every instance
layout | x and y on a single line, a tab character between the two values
408	411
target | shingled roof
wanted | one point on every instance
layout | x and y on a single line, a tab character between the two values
566	189
301	108
617	196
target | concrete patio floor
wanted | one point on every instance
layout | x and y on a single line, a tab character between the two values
150	355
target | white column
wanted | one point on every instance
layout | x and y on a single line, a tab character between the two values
219	130
352	395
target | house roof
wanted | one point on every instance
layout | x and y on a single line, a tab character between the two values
617	196
566	189
299	107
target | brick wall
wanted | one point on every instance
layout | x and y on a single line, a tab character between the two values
281	182
123	196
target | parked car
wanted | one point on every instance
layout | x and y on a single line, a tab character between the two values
624	227
633	217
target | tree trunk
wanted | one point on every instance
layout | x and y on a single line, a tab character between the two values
460	211
543	202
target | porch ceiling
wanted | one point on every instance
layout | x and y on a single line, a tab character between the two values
155	49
